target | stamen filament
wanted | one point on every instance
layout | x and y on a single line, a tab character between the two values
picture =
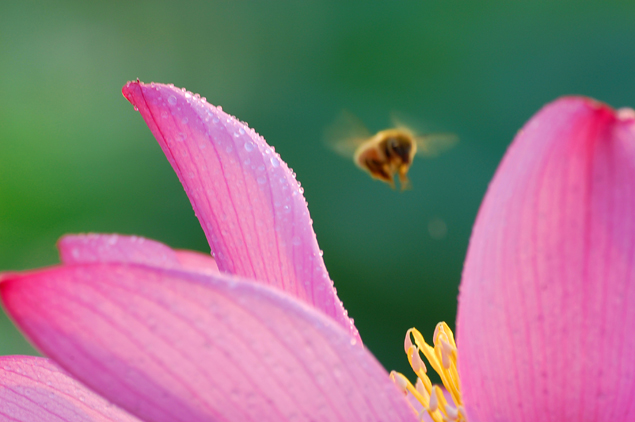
443	359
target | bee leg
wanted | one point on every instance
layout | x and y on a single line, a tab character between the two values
403	178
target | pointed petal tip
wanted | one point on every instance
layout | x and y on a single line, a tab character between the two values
5	277
129	87
582	102
239	185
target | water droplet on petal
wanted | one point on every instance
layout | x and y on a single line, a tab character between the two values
172	99
249	146
274	161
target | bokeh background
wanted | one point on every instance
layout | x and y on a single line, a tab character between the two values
75	157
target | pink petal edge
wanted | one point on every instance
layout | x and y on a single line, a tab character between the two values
197	261
547	301
250	205
34	389
96	248
175	346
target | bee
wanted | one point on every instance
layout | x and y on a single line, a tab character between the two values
389	152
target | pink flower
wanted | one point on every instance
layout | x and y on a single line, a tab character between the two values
546	311
258	334
546	321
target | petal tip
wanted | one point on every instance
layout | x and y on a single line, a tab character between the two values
581	101
130	88
5	277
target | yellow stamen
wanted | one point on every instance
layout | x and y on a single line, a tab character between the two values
443	359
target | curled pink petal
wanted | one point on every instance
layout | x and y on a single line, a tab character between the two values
247	199
34	389
177	346
547	304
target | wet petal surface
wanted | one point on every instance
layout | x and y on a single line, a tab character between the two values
247	199
175	346
34	389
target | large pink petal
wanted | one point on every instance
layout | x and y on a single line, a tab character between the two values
34	389
95	248
547	304
249	203
176	346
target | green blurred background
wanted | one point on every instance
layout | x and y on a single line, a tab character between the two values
75	157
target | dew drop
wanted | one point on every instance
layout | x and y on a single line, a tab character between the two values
249	146
274	161
262	180
172	99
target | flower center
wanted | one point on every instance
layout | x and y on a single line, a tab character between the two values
442	358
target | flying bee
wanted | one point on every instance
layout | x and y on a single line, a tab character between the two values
389	152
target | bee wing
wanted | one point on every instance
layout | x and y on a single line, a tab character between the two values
345	134
428	144
433	144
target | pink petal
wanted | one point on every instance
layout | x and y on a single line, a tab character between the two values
547	304
176	346
197	262
95	248
247	199
34	389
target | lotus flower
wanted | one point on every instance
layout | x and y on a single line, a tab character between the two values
257	333
545	311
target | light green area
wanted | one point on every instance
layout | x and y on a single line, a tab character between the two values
75	157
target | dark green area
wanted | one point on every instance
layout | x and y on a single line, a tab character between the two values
74	157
